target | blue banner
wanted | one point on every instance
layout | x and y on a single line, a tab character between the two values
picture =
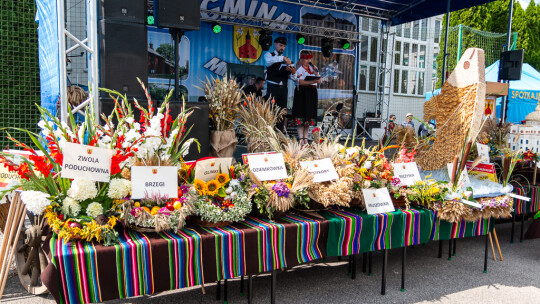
521	103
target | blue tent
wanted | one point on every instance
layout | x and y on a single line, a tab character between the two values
523	95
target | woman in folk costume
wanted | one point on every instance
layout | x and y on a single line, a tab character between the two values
305	104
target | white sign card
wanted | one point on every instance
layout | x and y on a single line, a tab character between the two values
407	173
162	181
464	174
323	170
378	201
81	161
483	151
267	166
207	169
7	178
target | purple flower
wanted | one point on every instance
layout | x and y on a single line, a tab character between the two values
281	189
396	182
242	177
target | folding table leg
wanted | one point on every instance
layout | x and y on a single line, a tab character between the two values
241	286
250	289
384	266
522	224
349	272
353	274
486	254
513	226
403	259
218	290
454	248
369	264
450	242
440	249
273	288
225	291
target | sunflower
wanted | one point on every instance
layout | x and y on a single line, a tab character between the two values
212	187
200	186
222	178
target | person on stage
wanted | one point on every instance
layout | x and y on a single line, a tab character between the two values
255	88
306	100
279	69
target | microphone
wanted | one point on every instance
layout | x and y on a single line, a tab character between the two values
314	68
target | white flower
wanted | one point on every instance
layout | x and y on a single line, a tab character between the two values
137	126
234	195
229	190
70	207
35	201
82	189
119	188
94	209
130	120
367	184
234	183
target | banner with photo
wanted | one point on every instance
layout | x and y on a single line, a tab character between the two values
236	51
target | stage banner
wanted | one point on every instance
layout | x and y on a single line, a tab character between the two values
236	51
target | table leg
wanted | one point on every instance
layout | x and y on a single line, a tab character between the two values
218	290
273	288
384	266
349	272
364	262
522	224
369	264
225	291
440	249
454	248
353	275
450	241
403	259
513	226
250	289
486	254
241	286
497	242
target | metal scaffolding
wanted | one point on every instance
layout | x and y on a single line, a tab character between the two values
90	44
384	71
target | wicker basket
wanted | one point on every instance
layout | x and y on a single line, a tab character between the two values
4	210
197	220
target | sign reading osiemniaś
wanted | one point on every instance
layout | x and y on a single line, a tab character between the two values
267	166
162	181
378	201
322	169
88	162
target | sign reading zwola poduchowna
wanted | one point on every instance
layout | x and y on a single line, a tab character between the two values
207	169
322	169
151	181
267	166
378	201
88	162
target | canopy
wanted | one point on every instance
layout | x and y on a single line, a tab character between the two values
397	11
523	94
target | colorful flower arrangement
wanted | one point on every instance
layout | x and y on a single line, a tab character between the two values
159	213
221	199
78	208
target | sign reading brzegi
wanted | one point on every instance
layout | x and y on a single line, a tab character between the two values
88	162
162	181
407	173
322	169
378	201
267	166
207	169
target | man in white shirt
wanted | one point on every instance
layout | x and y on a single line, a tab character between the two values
278	70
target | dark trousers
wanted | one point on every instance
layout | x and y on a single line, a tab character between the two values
279	93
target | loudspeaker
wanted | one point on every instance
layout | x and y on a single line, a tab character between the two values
198	121
510	65
183	14
123	10
123	57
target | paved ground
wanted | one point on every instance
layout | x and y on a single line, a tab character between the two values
429	279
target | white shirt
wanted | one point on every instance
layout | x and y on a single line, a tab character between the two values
269	59
302	73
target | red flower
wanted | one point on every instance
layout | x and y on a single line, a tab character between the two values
24	171
41	164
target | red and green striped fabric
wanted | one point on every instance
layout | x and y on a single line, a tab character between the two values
353	231
523	207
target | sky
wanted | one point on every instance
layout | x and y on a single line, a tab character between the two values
524	3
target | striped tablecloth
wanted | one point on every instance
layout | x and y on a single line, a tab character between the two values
523	207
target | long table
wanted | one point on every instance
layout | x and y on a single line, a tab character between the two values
146	263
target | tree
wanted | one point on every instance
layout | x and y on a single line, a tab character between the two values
493	17
167	51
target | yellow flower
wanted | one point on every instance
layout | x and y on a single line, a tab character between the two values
223	178
200	186
212	187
